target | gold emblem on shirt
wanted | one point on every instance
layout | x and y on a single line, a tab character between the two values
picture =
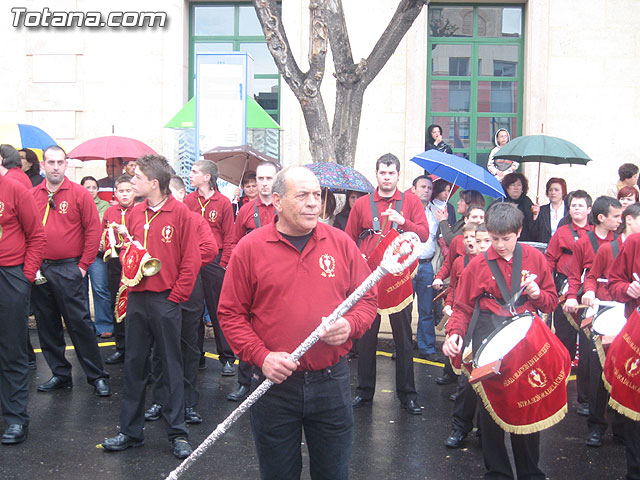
1	208
167	233
632	366
327	265
537	378
64	207
213	215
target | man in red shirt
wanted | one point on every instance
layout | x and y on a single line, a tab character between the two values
606	214
478	287
360	227
559	256
11	166
166	229
21	248
217	210
72	226
282	280
254	214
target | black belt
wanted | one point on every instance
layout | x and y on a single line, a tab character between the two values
62	261
425	260
308	374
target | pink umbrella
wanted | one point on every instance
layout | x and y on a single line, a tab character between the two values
113	146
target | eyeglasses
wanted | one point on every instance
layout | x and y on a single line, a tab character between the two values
51	201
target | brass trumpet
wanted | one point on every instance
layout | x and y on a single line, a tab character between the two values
40	278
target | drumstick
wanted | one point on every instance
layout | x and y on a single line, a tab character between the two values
635	277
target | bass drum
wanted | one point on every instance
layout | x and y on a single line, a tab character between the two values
607	324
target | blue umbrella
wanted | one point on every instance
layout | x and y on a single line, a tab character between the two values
460	171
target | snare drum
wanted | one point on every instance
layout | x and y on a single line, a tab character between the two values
607	324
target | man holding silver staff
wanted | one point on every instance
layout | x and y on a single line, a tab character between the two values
22	243
268	307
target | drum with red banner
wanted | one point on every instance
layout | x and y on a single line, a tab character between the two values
395	290
520	373
621	373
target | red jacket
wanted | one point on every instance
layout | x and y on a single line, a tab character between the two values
16	174
360	218
478	280
600	268
23	238
583	256
273	296
206	241
173	240
73	227
621	274
456	249
218	212
561	244
245	221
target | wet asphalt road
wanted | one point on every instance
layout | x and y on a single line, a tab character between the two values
67	426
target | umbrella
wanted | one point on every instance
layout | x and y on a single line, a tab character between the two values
341	178
233	162
459	171
21	135
112	146
543	149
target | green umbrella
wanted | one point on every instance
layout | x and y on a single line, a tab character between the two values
543	149
256	116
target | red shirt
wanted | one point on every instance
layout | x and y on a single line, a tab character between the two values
273	296
561	244
116	214
23	238
457	269
245	221
478	280
17	175
583	256
217	210
456	249
360	218
73	227
172	239
621	274
206	240
600	269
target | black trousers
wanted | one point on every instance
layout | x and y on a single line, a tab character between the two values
212	278
526	451
599	399
14	309
401	329
568	336
152	320
632	446
464	408
244	373
64	296
192	312
114	273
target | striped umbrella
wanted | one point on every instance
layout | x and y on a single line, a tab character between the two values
21	135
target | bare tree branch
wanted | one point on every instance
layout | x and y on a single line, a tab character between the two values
340	44
317	48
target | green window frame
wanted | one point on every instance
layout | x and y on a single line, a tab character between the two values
473	85
235	40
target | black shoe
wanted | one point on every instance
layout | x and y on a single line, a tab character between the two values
102	387
445	379
153	413
32	364
455	439
120	442
181	448
240	394
583	409
15	433
191	416
116	357
359	401
431	357
55	383
594	439
412	407
228	370
453	397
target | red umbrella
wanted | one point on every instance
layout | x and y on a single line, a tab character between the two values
113	146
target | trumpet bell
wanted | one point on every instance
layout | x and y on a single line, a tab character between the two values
151	267
40	278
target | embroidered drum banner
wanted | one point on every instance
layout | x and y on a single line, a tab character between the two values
395	290
621	373
530	392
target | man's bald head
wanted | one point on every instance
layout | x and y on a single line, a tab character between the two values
296	197
292	175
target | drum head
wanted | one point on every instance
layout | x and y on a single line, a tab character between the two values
503	339
609	320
